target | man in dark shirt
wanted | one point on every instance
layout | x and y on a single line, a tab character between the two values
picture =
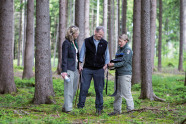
96	54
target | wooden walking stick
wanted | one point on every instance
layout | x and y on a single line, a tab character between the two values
77	89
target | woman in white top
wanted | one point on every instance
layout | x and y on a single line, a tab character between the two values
70	56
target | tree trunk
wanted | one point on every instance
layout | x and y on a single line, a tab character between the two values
136	47
146	66
116	26
97	17
20	35
110	28
180	66
74	12
43	73
13	37
184	25
7	84
66	14
146	85
33	57
105	14
160	35
24	34
57	37
185	79
79	20
28	59
87	31
62	31
124	16
153	30
92	24
119	30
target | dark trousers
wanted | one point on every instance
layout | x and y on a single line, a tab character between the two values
98	77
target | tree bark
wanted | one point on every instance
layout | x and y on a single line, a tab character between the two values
7	84
13	38
136	47
160	35
43	74
93	22
62	31
119	29
28	59
146	85
87	31
110	28
185	79
105	14
20	35
74	12
24	30
180	65
153	30
97	14
146	66
124	16
116	26
79	20
66	14
184	25
57	37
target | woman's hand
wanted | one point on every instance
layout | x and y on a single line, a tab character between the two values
111	64
64	74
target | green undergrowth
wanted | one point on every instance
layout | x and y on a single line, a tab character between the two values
17	108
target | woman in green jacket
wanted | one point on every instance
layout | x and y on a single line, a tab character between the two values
124	74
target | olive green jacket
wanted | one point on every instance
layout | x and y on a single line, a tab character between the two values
125	66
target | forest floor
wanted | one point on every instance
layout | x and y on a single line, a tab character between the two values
55	75
18	108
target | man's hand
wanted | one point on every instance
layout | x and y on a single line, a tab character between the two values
80	67
105	67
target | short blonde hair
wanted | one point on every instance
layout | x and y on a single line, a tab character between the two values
70	31
124	37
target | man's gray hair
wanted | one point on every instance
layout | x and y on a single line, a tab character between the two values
100	28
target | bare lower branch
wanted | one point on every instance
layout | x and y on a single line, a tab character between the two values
145	109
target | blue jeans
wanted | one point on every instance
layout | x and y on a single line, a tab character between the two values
98	77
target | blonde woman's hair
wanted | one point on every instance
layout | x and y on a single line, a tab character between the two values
124	37
70	31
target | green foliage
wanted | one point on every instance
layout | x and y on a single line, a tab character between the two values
170	63
58	85
170	28
18	67
18	108
21	83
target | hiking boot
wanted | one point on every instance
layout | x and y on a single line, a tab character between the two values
114	113
63	110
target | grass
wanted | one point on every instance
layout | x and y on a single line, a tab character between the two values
17	107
